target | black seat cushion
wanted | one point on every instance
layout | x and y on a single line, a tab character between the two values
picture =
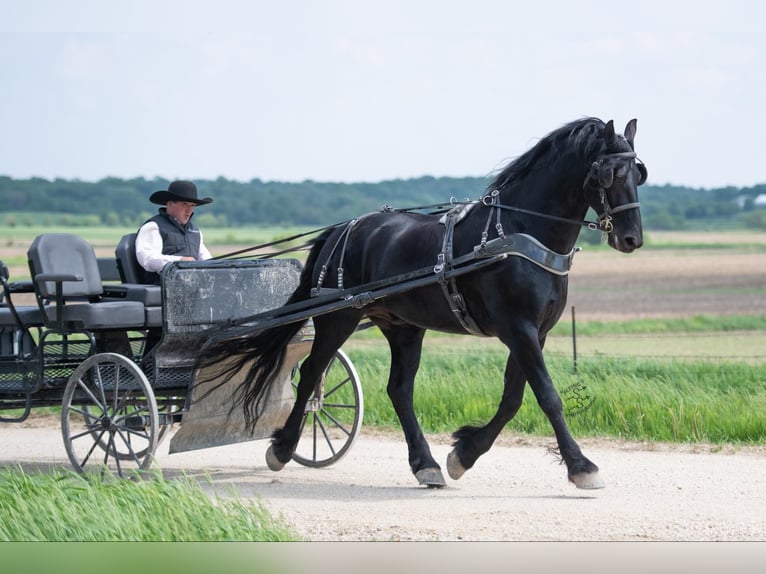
101	315
28	315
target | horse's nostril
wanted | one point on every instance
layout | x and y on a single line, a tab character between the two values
632	242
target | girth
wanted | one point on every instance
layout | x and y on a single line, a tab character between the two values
518	244
444	262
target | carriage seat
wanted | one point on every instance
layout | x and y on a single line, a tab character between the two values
107	266
133	286
65	272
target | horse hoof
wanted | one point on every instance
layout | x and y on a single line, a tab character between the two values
454	468
588	480
272	461
431	477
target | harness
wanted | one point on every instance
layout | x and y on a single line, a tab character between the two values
517	244
521	244
447	268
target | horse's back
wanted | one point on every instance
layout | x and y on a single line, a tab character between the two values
383	244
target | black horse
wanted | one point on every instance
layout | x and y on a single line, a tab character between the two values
533	210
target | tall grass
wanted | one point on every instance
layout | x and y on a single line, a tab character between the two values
64	506
653	400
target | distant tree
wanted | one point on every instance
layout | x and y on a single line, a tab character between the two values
756	219
111	219
116	201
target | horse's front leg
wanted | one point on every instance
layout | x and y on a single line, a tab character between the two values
471	441
406	345
529	354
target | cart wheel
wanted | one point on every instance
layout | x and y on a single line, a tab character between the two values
167	409
109	417
332	421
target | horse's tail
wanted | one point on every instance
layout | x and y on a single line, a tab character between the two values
259	356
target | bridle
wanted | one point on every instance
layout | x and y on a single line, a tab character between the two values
597	173
598	176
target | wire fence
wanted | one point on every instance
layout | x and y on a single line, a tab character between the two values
743	346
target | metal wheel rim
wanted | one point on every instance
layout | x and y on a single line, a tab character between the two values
325	437
109	417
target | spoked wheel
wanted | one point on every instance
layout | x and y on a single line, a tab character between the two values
333	415
109	417
167	408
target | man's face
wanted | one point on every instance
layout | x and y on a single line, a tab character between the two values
181	210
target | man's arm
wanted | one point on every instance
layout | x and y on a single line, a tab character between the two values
203	254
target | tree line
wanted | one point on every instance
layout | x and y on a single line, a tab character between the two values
113	201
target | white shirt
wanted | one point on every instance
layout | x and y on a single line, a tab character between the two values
149	249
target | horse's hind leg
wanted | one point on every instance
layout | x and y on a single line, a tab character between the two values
406	344
330	332
471	442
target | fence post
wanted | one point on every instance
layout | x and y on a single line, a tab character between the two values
574	341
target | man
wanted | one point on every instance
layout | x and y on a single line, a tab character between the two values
170	235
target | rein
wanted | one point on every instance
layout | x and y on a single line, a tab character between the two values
447	267
278	242
489	199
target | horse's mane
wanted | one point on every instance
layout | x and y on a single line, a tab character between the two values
581	136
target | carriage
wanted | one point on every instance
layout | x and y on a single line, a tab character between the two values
494	267
119	357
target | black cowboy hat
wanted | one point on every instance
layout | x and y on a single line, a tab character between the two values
178	191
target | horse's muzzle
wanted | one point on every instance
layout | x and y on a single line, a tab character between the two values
626	243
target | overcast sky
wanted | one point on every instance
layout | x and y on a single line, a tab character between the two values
366	91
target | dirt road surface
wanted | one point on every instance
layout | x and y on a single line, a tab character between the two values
517	491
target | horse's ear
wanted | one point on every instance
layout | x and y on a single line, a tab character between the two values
630	131
609	135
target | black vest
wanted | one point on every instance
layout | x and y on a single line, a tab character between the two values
177	239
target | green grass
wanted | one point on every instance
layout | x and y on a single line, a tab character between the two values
64	506
637	399
459	382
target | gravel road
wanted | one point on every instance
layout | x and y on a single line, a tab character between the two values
515	492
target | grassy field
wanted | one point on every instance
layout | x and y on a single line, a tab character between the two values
643	400
671	346
63	506
654	395
685	308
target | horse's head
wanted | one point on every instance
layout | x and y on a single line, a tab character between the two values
611	188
